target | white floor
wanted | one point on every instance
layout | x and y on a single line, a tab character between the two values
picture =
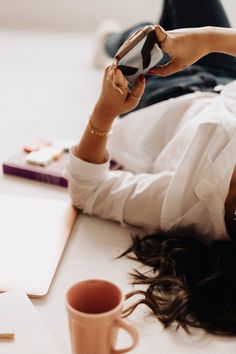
47	90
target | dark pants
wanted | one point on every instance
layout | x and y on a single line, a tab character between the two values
212	70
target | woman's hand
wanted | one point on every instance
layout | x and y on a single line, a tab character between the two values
116	98
185	47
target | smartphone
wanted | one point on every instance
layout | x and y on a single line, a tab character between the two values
139	53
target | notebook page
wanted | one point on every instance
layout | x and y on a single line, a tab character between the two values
18	315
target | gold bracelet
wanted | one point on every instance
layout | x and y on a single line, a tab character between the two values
97	132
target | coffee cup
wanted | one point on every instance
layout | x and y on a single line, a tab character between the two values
94	309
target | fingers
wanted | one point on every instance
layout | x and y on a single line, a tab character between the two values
108	72
114	80
135	95
161	33
139	87
119	79
166	70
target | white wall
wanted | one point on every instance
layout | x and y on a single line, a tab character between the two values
74	14
82	14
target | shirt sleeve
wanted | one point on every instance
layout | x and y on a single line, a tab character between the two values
117	195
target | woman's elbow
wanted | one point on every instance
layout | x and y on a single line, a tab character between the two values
77	196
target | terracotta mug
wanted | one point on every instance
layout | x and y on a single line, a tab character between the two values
94	312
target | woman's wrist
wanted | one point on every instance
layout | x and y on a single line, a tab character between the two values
210	38
92	146
204	39
101	120
95	131
221	40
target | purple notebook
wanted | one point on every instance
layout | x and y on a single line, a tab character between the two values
53	173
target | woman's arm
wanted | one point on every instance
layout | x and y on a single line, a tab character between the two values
222	40
188	45
115	99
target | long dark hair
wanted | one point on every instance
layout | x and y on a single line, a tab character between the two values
190	283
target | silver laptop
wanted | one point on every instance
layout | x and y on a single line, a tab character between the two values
33	234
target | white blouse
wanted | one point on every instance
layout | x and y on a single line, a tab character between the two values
178	157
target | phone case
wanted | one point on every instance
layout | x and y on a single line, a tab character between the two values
140	53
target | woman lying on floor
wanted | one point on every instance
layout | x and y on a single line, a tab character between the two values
179	178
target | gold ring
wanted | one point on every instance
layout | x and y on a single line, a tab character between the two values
123	85
135	97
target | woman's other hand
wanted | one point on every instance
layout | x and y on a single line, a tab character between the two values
185	47
116	98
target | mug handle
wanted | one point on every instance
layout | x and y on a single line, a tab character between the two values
133	333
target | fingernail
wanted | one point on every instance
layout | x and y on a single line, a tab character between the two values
151	72
141	77
162	29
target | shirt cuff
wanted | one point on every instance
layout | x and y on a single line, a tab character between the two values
86	170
